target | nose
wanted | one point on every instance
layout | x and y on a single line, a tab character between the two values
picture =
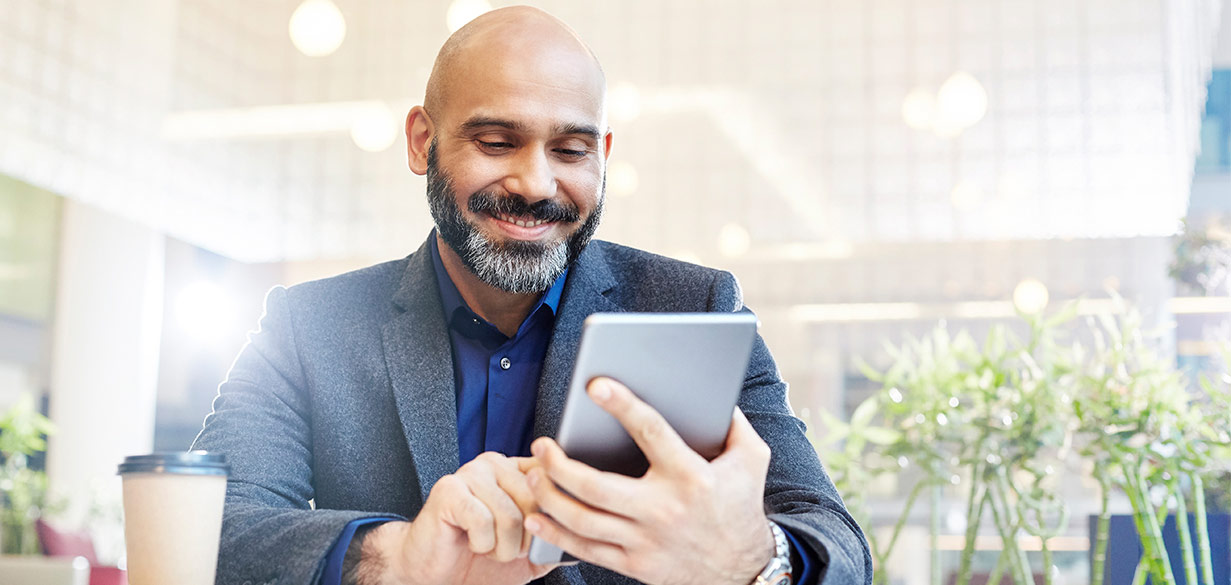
532	176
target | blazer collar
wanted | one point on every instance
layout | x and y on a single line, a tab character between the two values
586	292
419	360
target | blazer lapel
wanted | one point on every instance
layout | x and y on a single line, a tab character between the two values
419	359
570	575
589	281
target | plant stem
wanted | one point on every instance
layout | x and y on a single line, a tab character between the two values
1097	569
1186	537
1139	574
1147	555
935	537
882	576
1008	533
974	516
1203	530
1153	532
1046	562
997	573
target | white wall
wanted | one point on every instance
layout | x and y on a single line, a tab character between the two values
105	351
1222	48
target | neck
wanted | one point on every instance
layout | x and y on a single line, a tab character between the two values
503	309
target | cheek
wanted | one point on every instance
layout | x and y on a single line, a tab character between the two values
584	188
472	177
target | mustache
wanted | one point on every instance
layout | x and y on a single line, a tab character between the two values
545	210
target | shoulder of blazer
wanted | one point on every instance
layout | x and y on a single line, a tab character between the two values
645	281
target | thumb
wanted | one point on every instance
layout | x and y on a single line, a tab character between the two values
743	442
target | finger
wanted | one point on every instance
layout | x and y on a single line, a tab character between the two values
743	441
465	511
604	490
489	479
591	551
660	443
576	516
525	464
512	480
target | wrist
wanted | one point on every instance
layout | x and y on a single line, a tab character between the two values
754	559
779	570
397	550
380	559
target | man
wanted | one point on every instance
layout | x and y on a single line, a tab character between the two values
404	399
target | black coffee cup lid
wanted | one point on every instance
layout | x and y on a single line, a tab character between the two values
179	463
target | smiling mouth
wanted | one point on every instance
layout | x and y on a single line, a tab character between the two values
526	223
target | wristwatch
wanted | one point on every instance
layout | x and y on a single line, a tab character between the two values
778	571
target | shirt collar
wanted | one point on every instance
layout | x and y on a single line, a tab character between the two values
451	300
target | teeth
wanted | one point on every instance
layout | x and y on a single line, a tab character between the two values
521	222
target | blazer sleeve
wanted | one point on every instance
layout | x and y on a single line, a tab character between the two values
799	495
262	422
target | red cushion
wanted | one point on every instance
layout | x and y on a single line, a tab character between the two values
65	544
107	576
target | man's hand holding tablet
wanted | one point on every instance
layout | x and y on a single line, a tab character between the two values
687	520
663	482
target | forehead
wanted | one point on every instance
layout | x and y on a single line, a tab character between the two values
535	82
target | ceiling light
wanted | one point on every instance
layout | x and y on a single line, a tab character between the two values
624	102
621	179
317	28
463	11
919	109
268	121
375	129
733	240
961	101
1030	296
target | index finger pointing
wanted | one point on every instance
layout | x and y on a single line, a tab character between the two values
652	433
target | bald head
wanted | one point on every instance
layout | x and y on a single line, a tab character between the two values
517	40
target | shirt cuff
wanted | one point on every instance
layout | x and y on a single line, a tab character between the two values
806	572
332	575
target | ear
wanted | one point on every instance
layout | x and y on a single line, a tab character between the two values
419	132
607	146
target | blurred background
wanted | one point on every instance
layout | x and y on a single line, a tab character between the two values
867	169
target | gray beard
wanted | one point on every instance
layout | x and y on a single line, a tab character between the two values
516	271
515	266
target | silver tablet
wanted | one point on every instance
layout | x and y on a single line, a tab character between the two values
689	366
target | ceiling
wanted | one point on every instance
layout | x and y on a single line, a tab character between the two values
740	127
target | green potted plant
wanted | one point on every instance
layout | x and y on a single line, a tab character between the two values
983	421
23	491
994	424
1152	438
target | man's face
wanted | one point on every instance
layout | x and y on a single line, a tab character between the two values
516	155
512	265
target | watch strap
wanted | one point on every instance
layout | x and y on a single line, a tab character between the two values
778	571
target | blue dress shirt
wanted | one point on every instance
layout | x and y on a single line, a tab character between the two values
497	377
497	380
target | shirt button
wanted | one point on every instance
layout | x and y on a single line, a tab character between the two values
505	363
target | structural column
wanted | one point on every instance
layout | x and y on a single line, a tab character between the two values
104	351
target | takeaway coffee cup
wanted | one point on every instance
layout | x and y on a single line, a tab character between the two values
173	516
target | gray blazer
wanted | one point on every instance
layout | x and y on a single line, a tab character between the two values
344	401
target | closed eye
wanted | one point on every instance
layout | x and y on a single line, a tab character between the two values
494	146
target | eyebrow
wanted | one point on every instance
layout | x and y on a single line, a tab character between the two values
588	130
484	121
477	122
